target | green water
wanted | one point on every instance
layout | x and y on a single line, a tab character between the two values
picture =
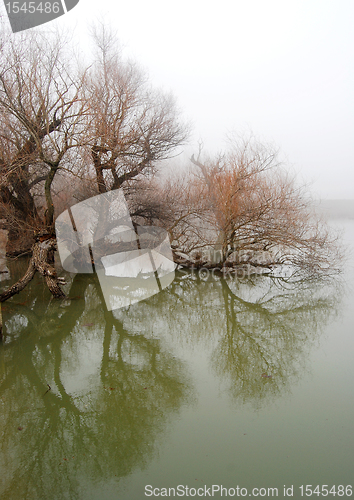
245	384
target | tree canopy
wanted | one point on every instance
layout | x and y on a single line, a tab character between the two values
71	129
55	114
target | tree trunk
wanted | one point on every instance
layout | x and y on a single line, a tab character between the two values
102	188
41	256
48	196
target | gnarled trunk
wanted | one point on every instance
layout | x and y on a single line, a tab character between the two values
40	261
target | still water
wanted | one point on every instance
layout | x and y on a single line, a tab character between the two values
246	384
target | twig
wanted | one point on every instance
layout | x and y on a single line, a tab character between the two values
49	388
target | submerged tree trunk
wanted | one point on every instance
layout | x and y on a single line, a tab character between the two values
41	261
42	255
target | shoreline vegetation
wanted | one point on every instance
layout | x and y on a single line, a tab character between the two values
72	128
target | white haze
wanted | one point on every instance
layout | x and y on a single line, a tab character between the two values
283	69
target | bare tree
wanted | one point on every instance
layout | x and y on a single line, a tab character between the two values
244	208
178	205
258	209
118	126
104	122
132	125
42	117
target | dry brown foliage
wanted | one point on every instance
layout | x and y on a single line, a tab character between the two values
243	208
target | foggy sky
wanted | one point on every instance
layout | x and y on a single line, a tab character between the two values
283	69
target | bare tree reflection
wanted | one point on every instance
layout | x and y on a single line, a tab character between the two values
258	334
115	379
111	394
266	342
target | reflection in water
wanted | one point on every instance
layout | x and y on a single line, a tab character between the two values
116	378
266	342
257	333
110	395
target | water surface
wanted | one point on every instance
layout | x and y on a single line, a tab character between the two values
224	382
